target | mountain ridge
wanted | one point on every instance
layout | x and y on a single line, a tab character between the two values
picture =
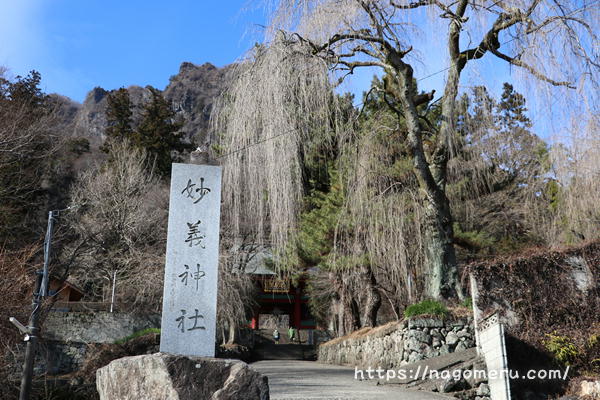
191	92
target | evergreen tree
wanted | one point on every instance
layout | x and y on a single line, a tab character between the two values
159	133
500	166
27	143
119	115
511	110
25	92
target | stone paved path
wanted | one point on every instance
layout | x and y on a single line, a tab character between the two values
308	380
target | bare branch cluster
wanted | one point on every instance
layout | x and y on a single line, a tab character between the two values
236	288
553	43
278	89
573	216
121	222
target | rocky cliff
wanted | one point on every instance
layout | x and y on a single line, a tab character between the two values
192	92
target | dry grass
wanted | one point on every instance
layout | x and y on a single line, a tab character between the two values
535	254
101	354
460	312
363	332
16	280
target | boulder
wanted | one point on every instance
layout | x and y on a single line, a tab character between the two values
483	390
420	336
591	389
451	339
425	322
464	333
162	376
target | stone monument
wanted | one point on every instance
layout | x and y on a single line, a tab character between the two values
190	287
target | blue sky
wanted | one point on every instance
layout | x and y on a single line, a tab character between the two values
80	44
77	44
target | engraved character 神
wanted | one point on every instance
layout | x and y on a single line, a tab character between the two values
197	275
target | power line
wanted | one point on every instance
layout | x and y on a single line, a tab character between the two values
256	143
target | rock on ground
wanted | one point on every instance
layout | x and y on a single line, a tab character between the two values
162	376
591	389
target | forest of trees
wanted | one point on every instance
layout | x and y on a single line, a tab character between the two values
111	227
380	206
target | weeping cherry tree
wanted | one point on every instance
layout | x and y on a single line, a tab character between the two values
549	43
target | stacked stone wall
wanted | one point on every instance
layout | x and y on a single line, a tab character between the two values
399	343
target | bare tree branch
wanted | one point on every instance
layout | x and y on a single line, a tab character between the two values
533	71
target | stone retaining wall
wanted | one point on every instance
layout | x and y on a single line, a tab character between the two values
399	343
95	327
66	336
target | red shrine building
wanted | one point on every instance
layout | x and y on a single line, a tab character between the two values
280	297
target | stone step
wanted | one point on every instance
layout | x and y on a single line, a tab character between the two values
284	352
266	336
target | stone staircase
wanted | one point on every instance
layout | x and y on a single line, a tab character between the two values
262	336
273	351
265	348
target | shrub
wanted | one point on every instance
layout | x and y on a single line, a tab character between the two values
468	303
430	307
137	334
562	348
590	355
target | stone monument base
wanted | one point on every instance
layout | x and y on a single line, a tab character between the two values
163	376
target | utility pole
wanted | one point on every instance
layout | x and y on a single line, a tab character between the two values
112	297
31	338
32	330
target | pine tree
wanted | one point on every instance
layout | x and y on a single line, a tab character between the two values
25	91
499	167
119	115
159	133
511	110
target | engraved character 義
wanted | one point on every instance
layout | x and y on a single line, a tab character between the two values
194	237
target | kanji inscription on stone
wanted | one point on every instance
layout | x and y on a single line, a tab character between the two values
189	312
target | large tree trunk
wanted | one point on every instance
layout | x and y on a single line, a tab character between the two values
442	270
443	281
372	297
349	316
232	331
442	273
336	317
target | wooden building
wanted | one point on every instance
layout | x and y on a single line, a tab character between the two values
279	296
